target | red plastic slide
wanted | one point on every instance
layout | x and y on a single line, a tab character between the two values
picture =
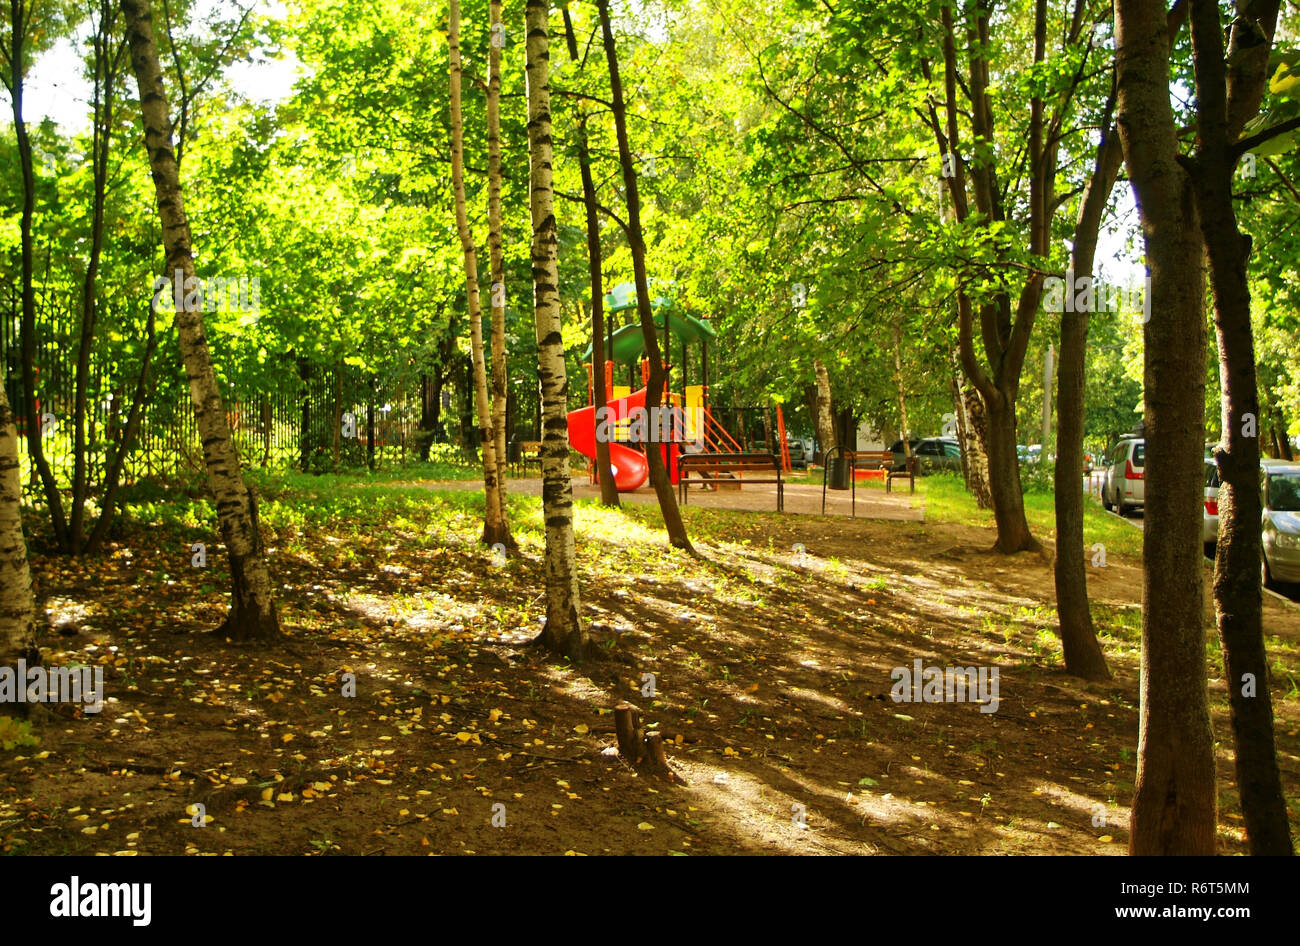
630	467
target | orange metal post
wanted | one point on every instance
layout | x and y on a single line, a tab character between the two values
780	432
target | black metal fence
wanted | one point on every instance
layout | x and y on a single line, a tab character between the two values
313	421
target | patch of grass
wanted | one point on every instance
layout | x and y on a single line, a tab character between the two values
946	500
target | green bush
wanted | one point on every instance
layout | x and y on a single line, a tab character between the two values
1038	477
15	733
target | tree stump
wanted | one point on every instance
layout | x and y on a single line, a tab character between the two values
627	725
644	752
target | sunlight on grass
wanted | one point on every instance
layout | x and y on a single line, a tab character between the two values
946	500
597	523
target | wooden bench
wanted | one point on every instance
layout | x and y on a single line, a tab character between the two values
883	460
530	454
707	468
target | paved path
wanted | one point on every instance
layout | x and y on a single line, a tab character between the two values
801	499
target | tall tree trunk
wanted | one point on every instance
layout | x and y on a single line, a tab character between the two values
1228	94
900	387
117	463
1281	442
494	525
370	424
810	398
604	472
465	390
304	416
268	423
252	611
338	411
428	413
497	300
1004	472
17	606
972	428
564	632
1004	329
20	23
825	425
1083	654
672	516
110	54
107	59
1174	804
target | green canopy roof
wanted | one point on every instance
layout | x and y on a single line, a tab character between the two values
629	342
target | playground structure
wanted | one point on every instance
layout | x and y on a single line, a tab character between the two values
686	423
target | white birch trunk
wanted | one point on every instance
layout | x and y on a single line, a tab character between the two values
494	527
252	611
497	299
563	632
17	606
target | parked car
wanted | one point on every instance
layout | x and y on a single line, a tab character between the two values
932	454
1281	521
798	458
1210	518
1124	488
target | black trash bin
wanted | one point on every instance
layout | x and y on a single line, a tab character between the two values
841	471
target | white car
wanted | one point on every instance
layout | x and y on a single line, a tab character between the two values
1280	527
1210	519
1124	488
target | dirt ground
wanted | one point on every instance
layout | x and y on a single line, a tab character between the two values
772	673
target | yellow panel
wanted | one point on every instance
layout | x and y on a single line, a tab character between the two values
694	408
618	391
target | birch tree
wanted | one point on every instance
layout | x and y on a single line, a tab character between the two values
252	608
825	421
17	606
21	41
495	528
563	632
497	298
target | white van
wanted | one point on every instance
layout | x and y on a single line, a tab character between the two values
1125	486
